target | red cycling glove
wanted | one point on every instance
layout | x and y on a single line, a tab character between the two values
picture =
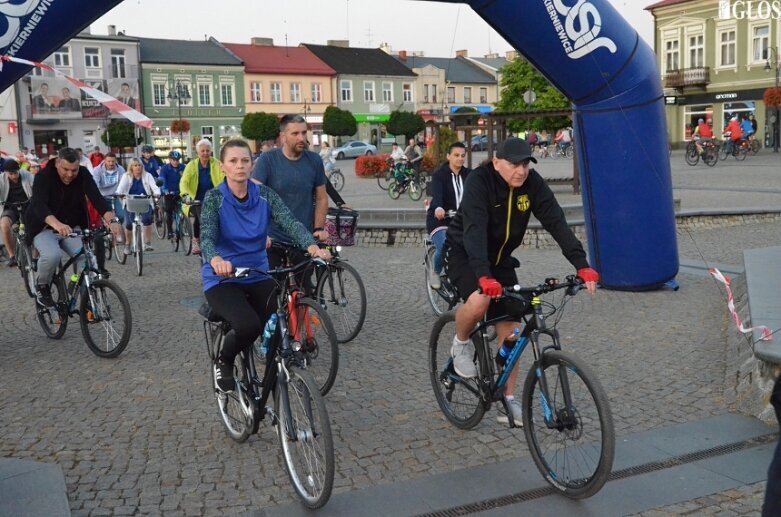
588	275
490	286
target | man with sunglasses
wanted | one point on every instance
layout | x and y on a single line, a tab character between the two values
498	200
16	186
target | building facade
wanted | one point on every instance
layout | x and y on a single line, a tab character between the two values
196	81
715	64
53	113
286	80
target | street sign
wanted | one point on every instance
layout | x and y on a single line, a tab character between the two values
529	96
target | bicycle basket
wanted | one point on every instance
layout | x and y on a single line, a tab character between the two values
138	205
340	224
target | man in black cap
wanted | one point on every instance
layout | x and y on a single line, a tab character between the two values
499	198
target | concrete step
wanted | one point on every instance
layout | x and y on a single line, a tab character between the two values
32	488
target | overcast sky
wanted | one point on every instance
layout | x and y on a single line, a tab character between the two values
438	29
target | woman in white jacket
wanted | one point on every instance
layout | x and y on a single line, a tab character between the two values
138	182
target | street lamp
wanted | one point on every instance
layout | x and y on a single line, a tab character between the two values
772	52
180	93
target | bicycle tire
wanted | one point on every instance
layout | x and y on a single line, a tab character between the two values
187	235
119	250
723	151
54	320
333	297
159	221
415	190
556	153
569	152
96	311
438	303
321	348
109	244
299	403
458	399
692	157
756	145
393	191
25	267
710	158
337	180
237	421
176	236
138	237
543	440
741	153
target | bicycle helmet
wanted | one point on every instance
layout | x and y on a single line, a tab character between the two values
175	155
147	149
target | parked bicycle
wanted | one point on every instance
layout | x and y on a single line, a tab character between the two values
341	292
100	304
566	415
298	412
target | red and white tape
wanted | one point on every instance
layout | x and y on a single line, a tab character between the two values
767	335
105	99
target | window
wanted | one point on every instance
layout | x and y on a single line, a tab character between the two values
158	94
226	93
759	43
254	92
317	92
451	94
467	95
205	94
696	51
406	91
62	58
187	91
727	48
387	92
671	55
368	91
118	63
276	92
91	58
692	114
483	95
425	93
295	92
346	91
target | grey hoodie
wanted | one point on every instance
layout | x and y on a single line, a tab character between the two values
106	180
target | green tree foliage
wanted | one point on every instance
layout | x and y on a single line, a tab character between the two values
338	122
519	76
405	123
446	137
260	126
465	116
120	133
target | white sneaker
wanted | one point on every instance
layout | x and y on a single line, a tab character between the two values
433	279
127	249
463	359
517	410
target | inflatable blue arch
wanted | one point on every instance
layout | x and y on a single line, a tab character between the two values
585	48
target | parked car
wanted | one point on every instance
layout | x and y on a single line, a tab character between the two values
353	149
479	143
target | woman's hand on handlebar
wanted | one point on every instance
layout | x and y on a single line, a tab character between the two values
316	252
221	267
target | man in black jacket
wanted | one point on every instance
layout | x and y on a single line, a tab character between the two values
57	208
498	201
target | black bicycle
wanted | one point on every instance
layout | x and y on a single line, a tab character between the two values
100	304
22	250
566	415
340	291
298	411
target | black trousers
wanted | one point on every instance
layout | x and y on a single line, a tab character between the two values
246	307
195	211
169	205
772	506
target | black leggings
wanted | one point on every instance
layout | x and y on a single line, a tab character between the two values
246	307
195	211
169	205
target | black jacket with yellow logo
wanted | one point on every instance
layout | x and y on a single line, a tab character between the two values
492	220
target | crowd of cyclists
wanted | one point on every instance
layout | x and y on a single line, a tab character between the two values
739	138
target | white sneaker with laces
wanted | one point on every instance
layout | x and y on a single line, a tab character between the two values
433	279
517	410
463	358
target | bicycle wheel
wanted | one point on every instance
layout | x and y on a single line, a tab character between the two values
555	153
54	320
756	145
235	406
692	156
393	190
415	190
159	221
741	153
318	340
176	236
574	450
337	180
342	294
459	399
723	151
383	179
105	317
569	152
304	432
119	250
26	267
109	244
187	235
710	157
138	238
437	301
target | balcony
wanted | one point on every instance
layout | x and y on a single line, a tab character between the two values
697	77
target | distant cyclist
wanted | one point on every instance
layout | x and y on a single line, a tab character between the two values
149	160
170	176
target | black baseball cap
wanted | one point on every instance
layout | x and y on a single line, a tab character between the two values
515	150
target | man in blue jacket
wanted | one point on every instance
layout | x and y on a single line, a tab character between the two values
170	174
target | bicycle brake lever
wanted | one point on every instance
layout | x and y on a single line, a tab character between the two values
240	272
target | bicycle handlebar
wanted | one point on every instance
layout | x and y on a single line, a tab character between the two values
242	272
572	284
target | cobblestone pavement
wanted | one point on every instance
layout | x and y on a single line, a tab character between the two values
745	500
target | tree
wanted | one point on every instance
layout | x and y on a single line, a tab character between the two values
120	133
338	122
519	76
260	126
465	116
405	123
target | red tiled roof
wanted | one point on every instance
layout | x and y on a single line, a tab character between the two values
665	3
279	60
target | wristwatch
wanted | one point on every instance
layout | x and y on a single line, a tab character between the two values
114	220
318	229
